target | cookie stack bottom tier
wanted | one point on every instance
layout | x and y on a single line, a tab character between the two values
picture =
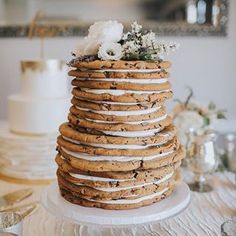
119	149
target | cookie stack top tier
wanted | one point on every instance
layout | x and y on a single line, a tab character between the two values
126	82
123	99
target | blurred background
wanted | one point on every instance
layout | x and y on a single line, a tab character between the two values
205	29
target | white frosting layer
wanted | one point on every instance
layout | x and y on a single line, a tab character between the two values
130	122
121	113
95	178
88	157
115	146
165	178
132	201
118	92
129	70
144	133
136	81
115	103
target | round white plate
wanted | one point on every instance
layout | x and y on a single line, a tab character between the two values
59	207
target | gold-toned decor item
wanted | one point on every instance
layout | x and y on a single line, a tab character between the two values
14	197
38	30
12	212
22	209
40	66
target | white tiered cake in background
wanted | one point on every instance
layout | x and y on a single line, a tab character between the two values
27	141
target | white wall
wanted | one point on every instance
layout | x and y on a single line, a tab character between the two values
206	64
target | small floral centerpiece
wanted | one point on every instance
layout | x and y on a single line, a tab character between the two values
106	41
191	115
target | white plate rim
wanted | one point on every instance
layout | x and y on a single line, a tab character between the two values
115	221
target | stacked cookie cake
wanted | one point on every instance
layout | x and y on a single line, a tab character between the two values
119	149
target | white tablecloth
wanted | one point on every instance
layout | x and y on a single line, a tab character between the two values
205	214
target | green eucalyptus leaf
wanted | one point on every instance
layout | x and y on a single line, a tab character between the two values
211	106
145	56
131	56
206	121
221	115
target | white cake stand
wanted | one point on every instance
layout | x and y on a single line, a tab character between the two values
59	207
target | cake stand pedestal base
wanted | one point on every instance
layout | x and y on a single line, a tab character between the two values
59	207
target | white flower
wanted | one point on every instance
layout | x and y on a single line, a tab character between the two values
131	47
100	32
125	36
185	120
188	119
136	28
148	40
106	31
87	46
110	51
